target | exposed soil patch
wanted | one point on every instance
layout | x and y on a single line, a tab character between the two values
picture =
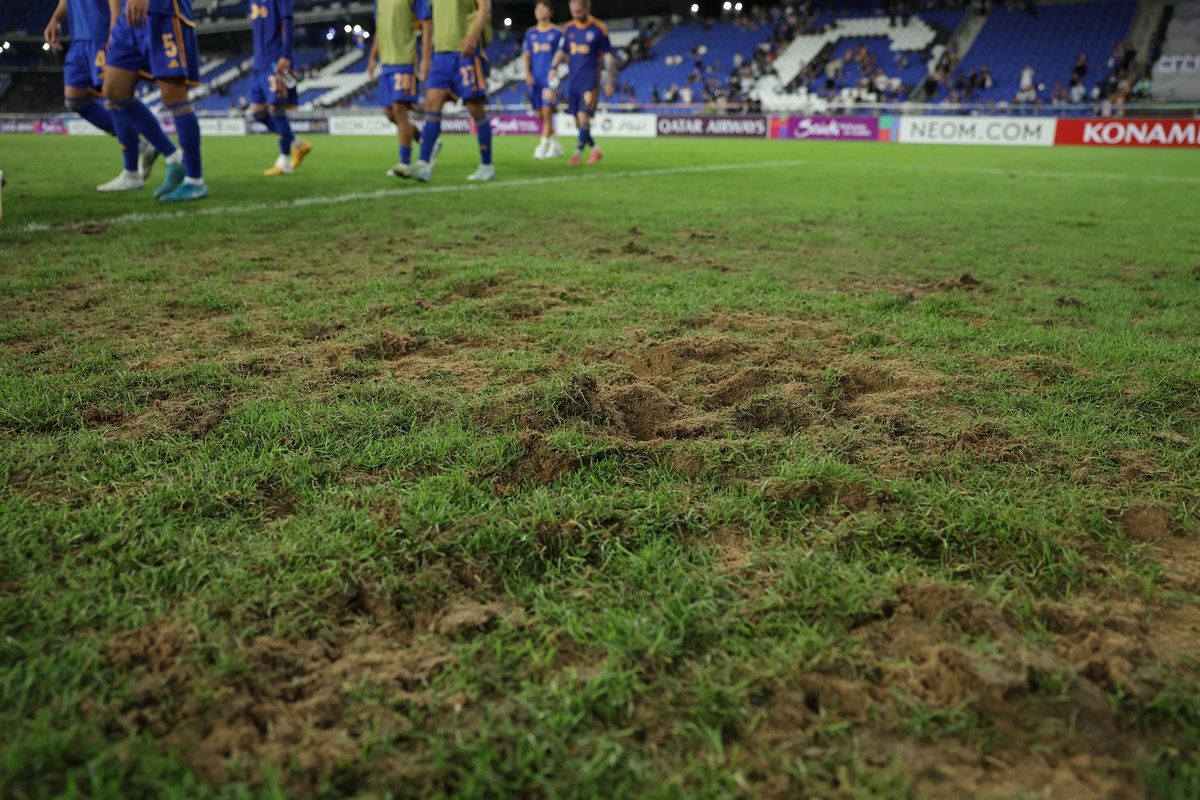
1056	727
96	417
303	707
198	418
1147	523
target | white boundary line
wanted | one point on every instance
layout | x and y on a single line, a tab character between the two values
126	219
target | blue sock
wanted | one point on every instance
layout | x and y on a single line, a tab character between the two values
127	137
144	122
92	111
483	128
284	128
585	138
433	129
405	154
265	119
187	128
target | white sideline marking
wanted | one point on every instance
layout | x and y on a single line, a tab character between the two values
125	219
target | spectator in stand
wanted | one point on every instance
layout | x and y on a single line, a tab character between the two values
1117	59
1081	66
1026	78
685	95
985	78
972	85
1142	88
1077	92
1058	95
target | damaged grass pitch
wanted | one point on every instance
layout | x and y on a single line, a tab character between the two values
661	505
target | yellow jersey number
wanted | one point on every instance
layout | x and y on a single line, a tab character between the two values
99	63
257	12
404	83
169	47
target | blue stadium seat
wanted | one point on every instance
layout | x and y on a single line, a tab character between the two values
1050	42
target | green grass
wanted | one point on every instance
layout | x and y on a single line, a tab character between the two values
703	484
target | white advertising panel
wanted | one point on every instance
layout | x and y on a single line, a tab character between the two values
1005	131
629	126
218	126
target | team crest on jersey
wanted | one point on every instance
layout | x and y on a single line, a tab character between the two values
591	35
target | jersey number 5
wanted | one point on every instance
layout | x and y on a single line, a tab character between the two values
169	46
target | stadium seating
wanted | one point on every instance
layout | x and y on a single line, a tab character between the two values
723	41
1177	72
1050	42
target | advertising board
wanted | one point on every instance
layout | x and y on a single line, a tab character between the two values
750	127
629	126
1129	132
1007	131
854	129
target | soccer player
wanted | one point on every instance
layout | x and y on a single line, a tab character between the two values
156	39
584	45
272	86
396	25
461	29
541	43
83	80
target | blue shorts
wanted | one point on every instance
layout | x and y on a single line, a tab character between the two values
267	89
84	65
465	78
542	96
164	47
582	101
397	84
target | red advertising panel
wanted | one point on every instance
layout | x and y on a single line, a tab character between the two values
1129	132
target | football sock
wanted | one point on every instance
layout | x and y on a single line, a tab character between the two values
92	111
142	121
432	130
484	128
187	127
265	119
127	137
284	128
405	154
585	137
416	119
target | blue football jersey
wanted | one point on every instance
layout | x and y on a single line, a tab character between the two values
271	36
541	44
585	45
88	20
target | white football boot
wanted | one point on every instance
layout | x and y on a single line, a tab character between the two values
123	183
486	172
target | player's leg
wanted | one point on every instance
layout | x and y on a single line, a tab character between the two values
537	101
405	132
597	153
472	88
173	53
85	104
577	109
83	72
430	132
132	113
283	132
187	128
477	106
